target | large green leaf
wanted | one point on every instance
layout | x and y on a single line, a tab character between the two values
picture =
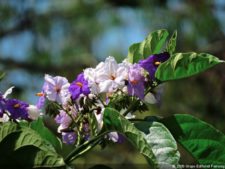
182	65
151	45
113	121
6	129
24	147
45	133
162	142
205	143
171	46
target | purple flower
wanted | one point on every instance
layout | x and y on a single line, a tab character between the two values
41	101
116	137
56	89
2	105
152	62
85	127
63	119
79	86
136	81
87	136
17	109
69	137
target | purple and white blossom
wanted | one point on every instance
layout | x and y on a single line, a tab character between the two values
56	89
69	137
78	87
136	81
63	119
91	91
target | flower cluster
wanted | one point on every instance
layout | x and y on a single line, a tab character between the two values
80	105
13	109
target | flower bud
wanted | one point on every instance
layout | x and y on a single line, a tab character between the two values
33	112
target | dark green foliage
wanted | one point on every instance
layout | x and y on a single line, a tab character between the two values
25	148
205	143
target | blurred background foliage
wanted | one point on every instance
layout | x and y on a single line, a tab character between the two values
64	37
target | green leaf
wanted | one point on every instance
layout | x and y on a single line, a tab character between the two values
46	156
113	121
182	65
151	45
205	143
25	148
45	133
162	142
171	46
6	129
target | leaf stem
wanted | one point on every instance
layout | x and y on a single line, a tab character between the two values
84	147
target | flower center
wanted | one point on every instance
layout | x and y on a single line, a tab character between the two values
57	89
79	84
16	105
157	63
134	82
112	77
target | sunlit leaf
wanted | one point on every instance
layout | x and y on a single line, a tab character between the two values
115	122
182	65
171	46
151	45
162	142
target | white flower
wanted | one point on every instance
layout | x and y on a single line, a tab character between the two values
107	76
130	116
56	89
150	98
91	76
4	118
8	91
33	112
113	136
63	119
99	115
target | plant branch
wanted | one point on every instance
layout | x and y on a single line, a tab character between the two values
84	147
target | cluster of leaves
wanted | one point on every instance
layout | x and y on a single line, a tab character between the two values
155	138
27	145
